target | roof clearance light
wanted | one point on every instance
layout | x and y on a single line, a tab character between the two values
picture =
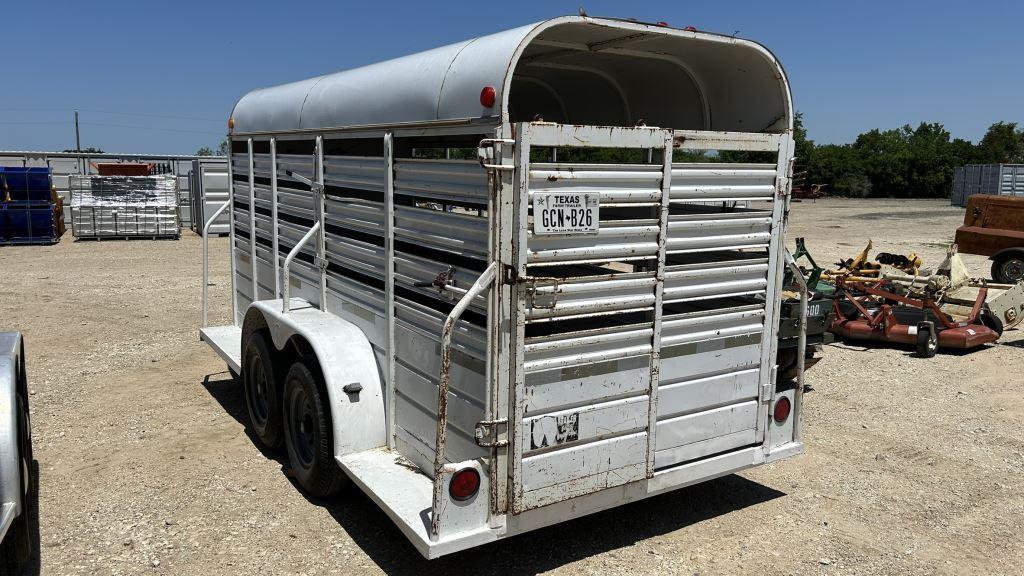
690	29
231	123
464	484
487	96
663	24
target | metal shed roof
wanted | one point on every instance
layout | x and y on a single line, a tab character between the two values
732	84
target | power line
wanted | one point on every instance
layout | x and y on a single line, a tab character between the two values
113	126
93	111
34	123
152	128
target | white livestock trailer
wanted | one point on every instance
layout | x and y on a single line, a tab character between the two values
483	283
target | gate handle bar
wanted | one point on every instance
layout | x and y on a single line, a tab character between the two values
206	259
482	283
489	143
801	348
286	274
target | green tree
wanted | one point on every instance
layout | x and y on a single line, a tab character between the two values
205	151
224	148
840	168
1003	143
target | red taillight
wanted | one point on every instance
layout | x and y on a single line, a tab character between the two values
464	484
690	29
663	24
782	409
487	96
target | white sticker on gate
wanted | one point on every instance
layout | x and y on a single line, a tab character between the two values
566	213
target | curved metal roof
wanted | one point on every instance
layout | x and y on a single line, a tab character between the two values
742	85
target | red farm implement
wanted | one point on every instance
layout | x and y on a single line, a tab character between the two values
866	311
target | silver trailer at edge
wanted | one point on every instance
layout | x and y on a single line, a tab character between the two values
484	283
17	473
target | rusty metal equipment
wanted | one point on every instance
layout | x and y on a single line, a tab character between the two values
866	311
994	227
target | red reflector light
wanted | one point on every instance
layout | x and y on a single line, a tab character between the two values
464	484
487	96
782	409
690	29
663	24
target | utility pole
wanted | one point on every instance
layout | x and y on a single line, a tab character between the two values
78	147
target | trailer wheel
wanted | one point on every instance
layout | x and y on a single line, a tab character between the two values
308	433
261	391
1008	269
927	340
19	546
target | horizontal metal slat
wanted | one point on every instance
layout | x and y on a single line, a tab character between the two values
453	180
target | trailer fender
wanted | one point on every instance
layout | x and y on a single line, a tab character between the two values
11	358
1019	252
348	365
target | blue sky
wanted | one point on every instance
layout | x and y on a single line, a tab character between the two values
162	77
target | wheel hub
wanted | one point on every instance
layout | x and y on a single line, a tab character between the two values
303	429
1014	270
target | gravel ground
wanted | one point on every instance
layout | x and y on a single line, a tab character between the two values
912	467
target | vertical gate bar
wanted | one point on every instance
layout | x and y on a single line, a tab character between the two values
659	290
776	265
499	184
252	225
231	232
321	244
389	286
273	218
516	209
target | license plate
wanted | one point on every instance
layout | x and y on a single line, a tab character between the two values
565	213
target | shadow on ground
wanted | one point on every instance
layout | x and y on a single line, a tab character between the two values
530	553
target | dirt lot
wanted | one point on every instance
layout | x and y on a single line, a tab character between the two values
912	467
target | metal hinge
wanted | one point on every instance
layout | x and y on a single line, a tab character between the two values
491	433
320	263
510	274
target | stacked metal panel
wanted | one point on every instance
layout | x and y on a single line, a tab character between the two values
125	206
29	209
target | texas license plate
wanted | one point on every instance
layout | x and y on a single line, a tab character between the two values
565	213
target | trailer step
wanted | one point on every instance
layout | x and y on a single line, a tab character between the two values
406	495
227	342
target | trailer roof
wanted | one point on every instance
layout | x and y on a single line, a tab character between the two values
573	69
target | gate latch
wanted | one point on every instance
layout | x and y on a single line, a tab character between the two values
491	433
541	300
485	153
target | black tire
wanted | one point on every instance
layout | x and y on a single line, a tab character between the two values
1008	269
927	340
262	392
990	320
308	433
20	545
